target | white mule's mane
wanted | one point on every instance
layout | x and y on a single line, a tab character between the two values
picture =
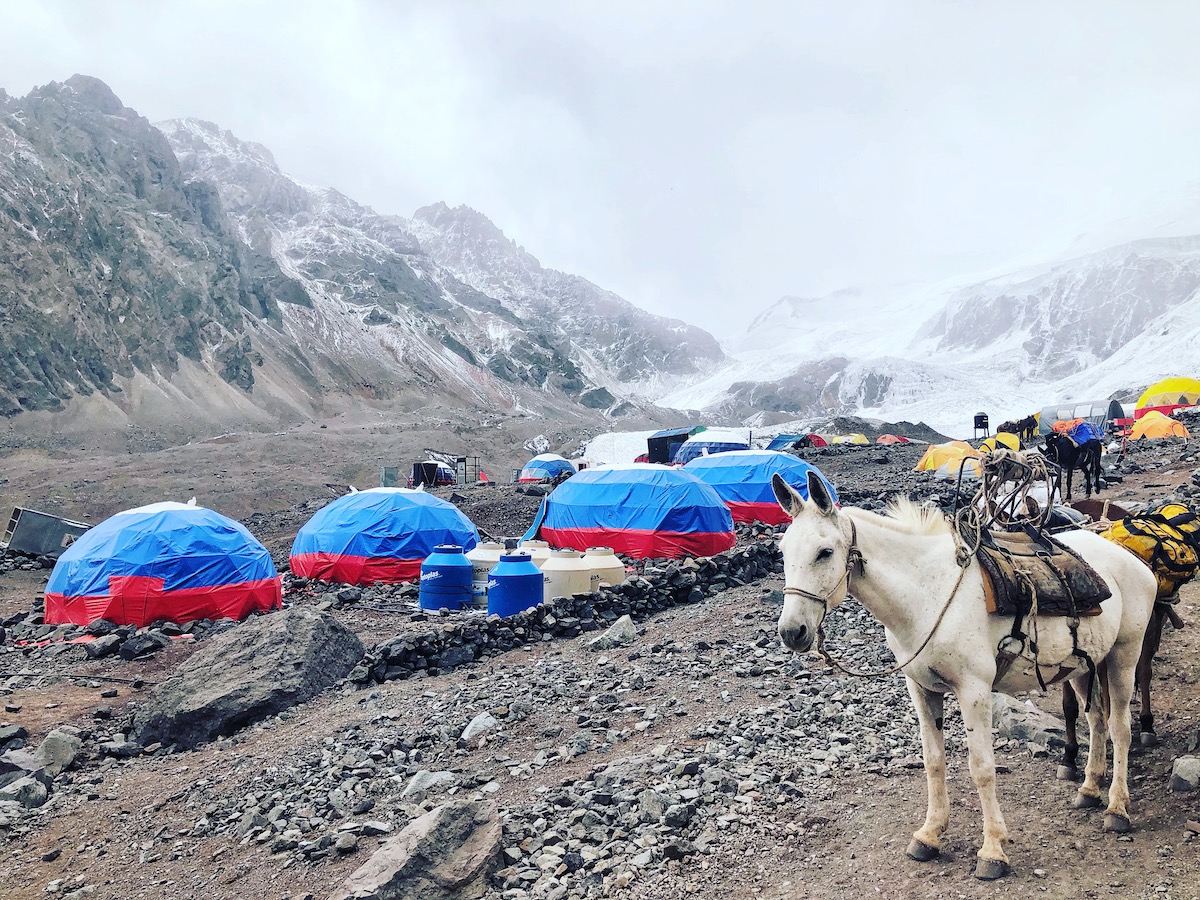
905	516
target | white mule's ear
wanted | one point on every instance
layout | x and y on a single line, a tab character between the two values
819	494
789	498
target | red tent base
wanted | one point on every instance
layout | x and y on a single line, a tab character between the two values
641	544
361	570
138	600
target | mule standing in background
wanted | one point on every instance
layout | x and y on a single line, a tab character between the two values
1070	456
1024	428
911	573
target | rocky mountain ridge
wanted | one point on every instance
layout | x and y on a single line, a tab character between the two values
177	271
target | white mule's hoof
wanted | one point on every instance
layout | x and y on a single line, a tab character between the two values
1117	823
921	851
1069	773
1085	801
991	869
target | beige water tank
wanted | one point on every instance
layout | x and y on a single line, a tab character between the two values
539	551
566	573
483	558
605	567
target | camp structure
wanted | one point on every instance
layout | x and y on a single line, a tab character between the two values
945	460
742	478
892	439
545	466
1168	395
662	445
854	438
1099	412
640	509
1155	425
378	536
708	442
174	562
792	441
433	473
1001	439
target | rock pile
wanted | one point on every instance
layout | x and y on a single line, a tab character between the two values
26	778
464	640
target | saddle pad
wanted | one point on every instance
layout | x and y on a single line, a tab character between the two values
1015	566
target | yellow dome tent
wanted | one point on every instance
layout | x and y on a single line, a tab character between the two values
1000	439
939	454
1155	425
1171	392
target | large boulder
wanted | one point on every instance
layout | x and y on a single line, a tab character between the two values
1014	720
246	674
446	854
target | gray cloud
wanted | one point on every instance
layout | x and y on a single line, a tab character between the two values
701	159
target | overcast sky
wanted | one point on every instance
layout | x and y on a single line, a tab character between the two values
702	159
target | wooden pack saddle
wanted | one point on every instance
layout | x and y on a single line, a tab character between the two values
1032	572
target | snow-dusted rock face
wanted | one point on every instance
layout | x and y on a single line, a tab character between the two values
445	294
115	264
627	343
1085	327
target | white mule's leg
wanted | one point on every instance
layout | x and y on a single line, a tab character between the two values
976	701
927	840
1097	757
1120	692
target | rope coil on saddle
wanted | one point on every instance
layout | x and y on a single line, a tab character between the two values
994	504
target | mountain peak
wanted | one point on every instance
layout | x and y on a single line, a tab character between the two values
92	93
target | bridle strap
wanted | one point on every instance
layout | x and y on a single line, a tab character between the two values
855	559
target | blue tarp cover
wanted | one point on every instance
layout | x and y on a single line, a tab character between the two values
185	546
385	523
744	476
636	497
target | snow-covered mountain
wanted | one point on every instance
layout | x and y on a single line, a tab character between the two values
442	288
1087	327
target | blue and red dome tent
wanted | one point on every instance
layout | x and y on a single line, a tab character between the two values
167	561
545	466
742	478
640	509
708	442
378	535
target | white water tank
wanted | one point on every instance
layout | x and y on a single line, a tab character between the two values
566	573
605	567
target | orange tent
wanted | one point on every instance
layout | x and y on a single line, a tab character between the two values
1155	425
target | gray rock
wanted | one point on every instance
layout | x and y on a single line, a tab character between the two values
27	791
445	854
123	749
620	633
478	726
58	751
246	674
423	781
1185	774
1017	721
102	646
145	643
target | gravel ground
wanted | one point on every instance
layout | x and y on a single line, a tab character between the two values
701	759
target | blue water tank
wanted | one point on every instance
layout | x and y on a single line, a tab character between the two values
446	578
514	584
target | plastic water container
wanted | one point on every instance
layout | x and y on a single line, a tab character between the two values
566	574
483	558
514	584
445	579
539	551
605	567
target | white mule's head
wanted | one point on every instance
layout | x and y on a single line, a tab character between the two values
815	553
